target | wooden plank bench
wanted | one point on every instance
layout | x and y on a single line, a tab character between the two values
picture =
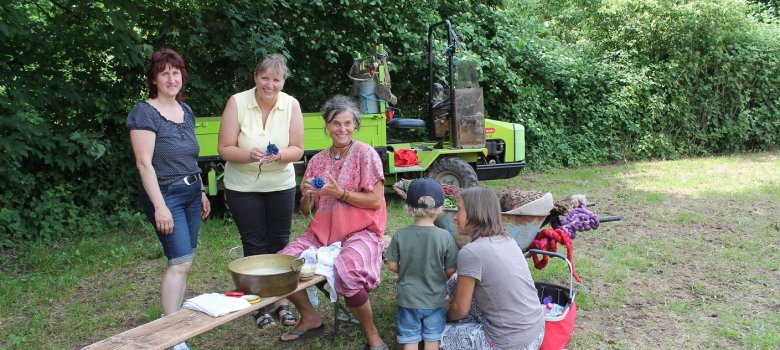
182	325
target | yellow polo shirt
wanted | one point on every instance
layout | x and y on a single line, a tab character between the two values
275	176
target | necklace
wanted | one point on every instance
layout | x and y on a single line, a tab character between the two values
337	156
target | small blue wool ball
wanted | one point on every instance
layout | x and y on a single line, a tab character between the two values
318	182
271	149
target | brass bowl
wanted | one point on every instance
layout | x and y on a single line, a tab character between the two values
266	275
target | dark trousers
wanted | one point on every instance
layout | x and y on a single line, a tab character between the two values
264	219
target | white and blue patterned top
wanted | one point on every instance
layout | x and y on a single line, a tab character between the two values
175	147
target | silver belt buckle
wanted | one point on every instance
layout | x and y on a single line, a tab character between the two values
187	180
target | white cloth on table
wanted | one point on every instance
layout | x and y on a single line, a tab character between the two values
215	304
323	260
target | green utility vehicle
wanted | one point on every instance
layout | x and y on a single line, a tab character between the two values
462	146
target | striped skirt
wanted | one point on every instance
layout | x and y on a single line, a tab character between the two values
357	266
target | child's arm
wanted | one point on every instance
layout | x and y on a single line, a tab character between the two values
392	265
451	257
449	272
392	254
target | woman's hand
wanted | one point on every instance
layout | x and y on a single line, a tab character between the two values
163	220
331	188
258	155
309	194
308	189
205	206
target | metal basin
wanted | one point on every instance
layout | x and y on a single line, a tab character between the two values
266	275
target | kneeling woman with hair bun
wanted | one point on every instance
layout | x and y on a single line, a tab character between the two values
493	273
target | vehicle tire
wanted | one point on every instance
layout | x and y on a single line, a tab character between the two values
453	171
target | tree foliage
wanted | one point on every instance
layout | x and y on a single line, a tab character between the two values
593	81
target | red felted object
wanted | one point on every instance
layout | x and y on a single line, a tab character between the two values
405	158
548	239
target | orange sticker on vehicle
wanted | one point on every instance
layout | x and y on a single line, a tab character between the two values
490	130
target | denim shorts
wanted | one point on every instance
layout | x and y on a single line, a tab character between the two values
184	202
415	325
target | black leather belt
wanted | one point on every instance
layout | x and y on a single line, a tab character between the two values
189	180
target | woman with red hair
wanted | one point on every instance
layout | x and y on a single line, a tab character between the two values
162	134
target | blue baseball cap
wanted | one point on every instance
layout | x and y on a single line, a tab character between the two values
425	193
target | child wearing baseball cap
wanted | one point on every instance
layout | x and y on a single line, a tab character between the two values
424	256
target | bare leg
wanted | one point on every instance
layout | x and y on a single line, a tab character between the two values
174	284
414	346
431	345
366	318
309	316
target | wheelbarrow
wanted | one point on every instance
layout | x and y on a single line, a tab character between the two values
522	223
522	228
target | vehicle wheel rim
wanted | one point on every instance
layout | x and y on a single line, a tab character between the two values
449	179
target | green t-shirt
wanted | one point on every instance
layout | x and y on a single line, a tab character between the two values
423	253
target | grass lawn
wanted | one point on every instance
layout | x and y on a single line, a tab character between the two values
694	263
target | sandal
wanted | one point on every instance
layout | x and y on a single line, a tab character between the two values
285	316
264	320
302	334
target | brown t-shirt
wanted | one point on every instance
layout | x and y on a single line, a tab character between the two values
505	291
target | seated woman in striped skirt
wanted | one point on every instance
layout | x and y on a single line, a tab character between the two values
348	196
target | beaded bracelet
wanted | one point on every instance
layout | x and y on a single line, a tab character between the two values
344	196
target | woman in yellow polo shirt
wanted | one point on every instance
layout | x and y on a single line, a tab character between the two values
260	135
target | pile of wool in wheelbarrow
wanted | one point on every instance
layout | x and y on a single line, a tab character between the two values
514	199
563	207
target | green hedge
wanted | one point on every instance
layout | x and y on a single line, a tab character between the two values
593	81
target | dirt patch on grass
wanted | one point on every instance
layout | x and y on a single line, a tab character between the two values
702	274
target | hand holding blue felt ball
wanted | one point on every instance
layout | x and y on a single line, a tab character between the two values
271	149
318	183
